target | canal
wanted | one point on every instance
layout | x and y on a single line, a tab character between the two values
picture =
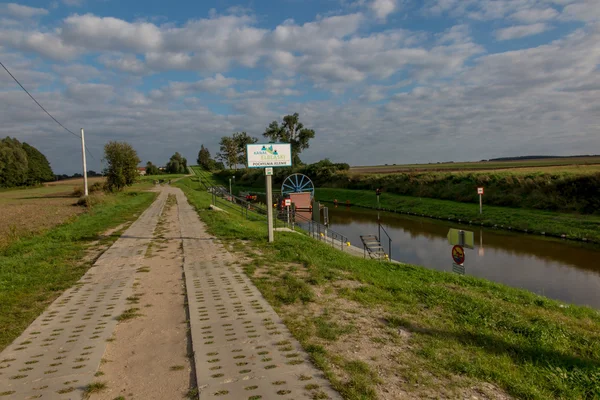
558	269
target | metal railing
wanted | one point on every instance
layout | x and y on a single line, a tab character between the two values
283	218
321	232
381	228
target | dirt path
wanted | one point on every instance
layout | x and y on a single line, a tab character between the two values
91	340
148	357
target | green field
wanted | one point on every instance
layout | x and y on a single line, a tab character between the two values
575	164
376	327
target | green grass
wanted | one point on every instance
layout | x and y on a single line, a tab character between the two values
94	387
164	177
575	226
529	346
36	270
128	314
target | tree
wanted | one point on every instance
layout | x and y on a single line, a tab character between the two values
204	159
152	169
13	163
228	151
38	167
122	162
242	140
293	132
177	164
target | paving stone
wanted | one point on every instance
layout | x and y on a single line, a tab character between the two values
242	349
57	356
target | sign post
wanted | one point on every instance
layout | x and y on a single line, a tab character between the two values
270	204
267	156
460	239
480	193
288	203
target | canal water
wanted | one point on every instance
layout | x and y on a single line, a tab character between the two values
558	269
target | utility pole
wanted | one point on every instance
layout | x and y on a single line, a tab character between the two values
85	183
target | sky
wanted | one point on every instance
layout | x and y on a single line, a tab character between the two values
380	81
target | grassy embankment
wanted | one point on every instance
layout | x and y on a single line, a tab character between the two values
34	270
574	226
379	328
548	190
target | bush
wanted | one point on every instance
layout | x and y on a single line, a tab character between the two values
89	201
77	191
96	187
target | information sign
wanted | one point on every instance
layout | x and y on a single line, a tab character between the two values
269	155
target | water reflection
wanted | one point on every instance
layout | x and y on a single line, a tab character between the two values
563	270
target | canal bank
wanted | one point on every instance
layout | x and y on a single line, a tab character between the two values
578	227
381	329
558	269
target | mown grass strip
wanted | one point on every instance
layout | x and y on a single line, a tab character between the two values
34	271
530	346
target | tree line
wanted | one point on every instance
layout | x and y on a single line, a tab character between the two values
22	164
232	149
177	165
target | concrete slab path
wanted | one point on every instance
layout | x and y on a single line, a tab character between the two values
59	353
242	349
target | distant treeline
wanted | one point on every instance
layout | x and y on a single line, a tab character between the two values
90	174
22	164
525	158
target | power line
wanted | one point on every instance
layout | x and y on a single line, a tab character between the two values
42	107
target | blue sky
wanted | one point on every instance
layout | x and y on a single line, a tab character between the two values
380	81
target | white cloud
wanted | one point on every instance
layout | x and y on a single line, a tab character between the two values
79	72
525	11
46	44
585	10
383	8
124	62
90	92
20	11
533	15
211	85
107	33
519	31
